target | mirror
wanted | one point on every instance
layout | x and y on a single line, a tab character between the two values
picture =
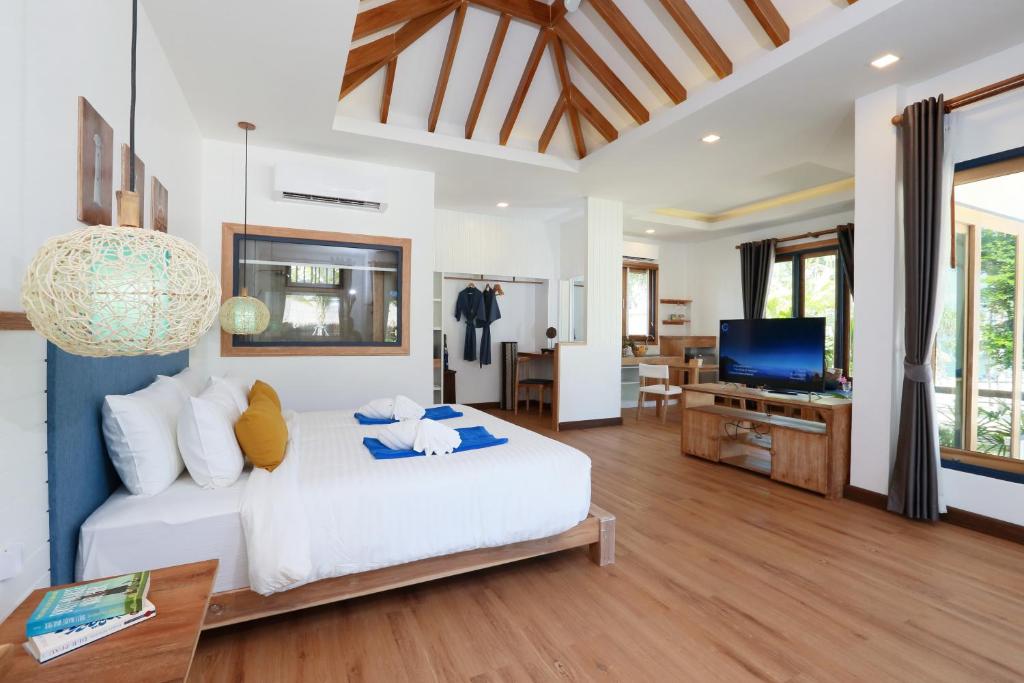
572	310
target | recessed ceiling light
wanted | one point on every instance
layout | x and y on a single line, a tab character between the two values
650	232
711	138
885	60
502	205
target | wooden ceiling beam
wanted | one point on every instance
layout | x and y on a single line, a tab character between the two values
527	10
487	72
391	14
446	66
636	44
699	35
592	114
602	71
771	21
558	57
389	86
356	78
552	124
524	86
382	50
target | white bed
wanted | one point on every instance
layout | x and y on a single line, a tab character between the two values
331	509
184	523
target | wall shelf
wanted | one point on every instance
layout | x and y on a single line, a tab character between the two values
678	321
675	302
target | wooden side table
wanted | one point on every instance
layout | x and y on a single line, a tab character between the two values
159	649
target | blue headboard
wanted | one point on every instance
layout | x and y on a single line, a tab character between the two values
81	476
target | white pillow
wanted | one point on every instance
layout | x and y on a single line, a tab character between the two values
238	389
206	437
193	380
141	434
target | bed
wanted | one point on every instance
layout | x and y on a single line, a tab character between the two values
354	525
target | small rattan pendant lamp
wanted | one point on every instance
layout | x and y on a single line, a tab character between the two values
244	314
121	291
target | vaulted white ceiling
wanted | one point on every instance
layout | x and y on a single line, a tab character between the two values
785	114
731	26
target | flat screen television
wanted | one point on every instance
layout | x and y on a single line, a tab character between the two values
785	354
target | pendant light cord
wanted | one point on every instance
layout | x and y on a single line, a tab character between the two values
131	114
245	211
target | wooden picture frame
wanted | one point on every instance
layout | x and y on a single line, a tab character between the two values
95	166
140	180
159	197
228	348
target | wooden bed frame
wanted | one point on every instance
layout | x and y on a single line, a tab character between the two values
597	532
81	478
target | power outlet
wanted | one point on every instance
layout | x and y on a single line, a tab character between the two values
11	560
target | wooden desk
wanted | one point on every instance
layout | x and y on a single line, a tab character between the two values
805	443
159	649
681	371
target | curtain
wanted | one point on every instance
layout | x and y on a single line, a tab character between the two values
914	488
756	259
844	234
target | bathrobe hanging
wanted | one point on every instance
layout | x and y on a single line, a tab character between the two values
489	313
469	306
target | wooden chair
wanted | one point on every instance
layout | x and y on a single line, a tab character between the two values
529	383
661	390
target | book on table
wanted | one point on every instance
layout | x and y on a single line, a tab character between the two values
49	645
89	602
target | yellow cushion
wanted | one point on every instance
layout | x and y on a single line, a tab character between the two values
262	388
262	433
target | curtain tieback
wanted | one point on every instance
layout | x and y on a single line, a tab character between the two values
917	372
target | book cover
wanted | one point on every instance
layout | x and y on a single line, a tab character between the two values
88	602
50	645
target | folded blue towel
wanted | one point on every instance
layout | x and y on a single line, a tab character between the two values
472	439
436	413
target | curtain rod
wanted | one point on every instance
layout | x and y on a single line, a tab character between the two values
978	95
806	235
513	281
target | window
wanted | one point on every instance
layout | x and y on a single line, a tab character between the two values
807	282
640	301
328	293
978	350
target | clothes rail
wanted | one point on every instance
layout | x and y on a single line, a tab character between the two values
513	281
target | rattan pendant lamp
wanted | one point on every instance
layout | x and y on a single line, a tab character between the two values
121	291
244	314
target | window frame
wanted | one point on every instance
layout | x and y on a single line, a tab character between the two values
229	271
796	254
983	168
652	304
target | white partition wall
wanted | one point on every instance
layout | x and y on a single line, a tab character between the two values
588	381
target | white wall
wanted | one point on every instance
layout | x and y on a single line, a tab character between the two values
50	53
319	382
590	372
713	281
24	525
479	243
72	48
985	128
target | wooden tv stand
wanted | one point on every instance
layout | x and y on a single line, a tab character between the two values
793	439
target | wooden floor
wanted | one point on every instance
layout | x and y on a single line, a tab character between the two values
721	575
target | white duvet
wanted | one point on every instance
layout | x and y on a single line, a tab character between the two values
331	509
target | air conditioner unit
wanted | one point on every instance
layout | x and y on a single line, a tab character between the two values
329	185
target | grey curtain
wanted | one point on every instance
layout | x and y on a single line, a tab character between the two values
844	234
914	485
756	259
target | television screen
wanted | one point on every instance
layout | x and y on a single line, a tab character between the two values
781	353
